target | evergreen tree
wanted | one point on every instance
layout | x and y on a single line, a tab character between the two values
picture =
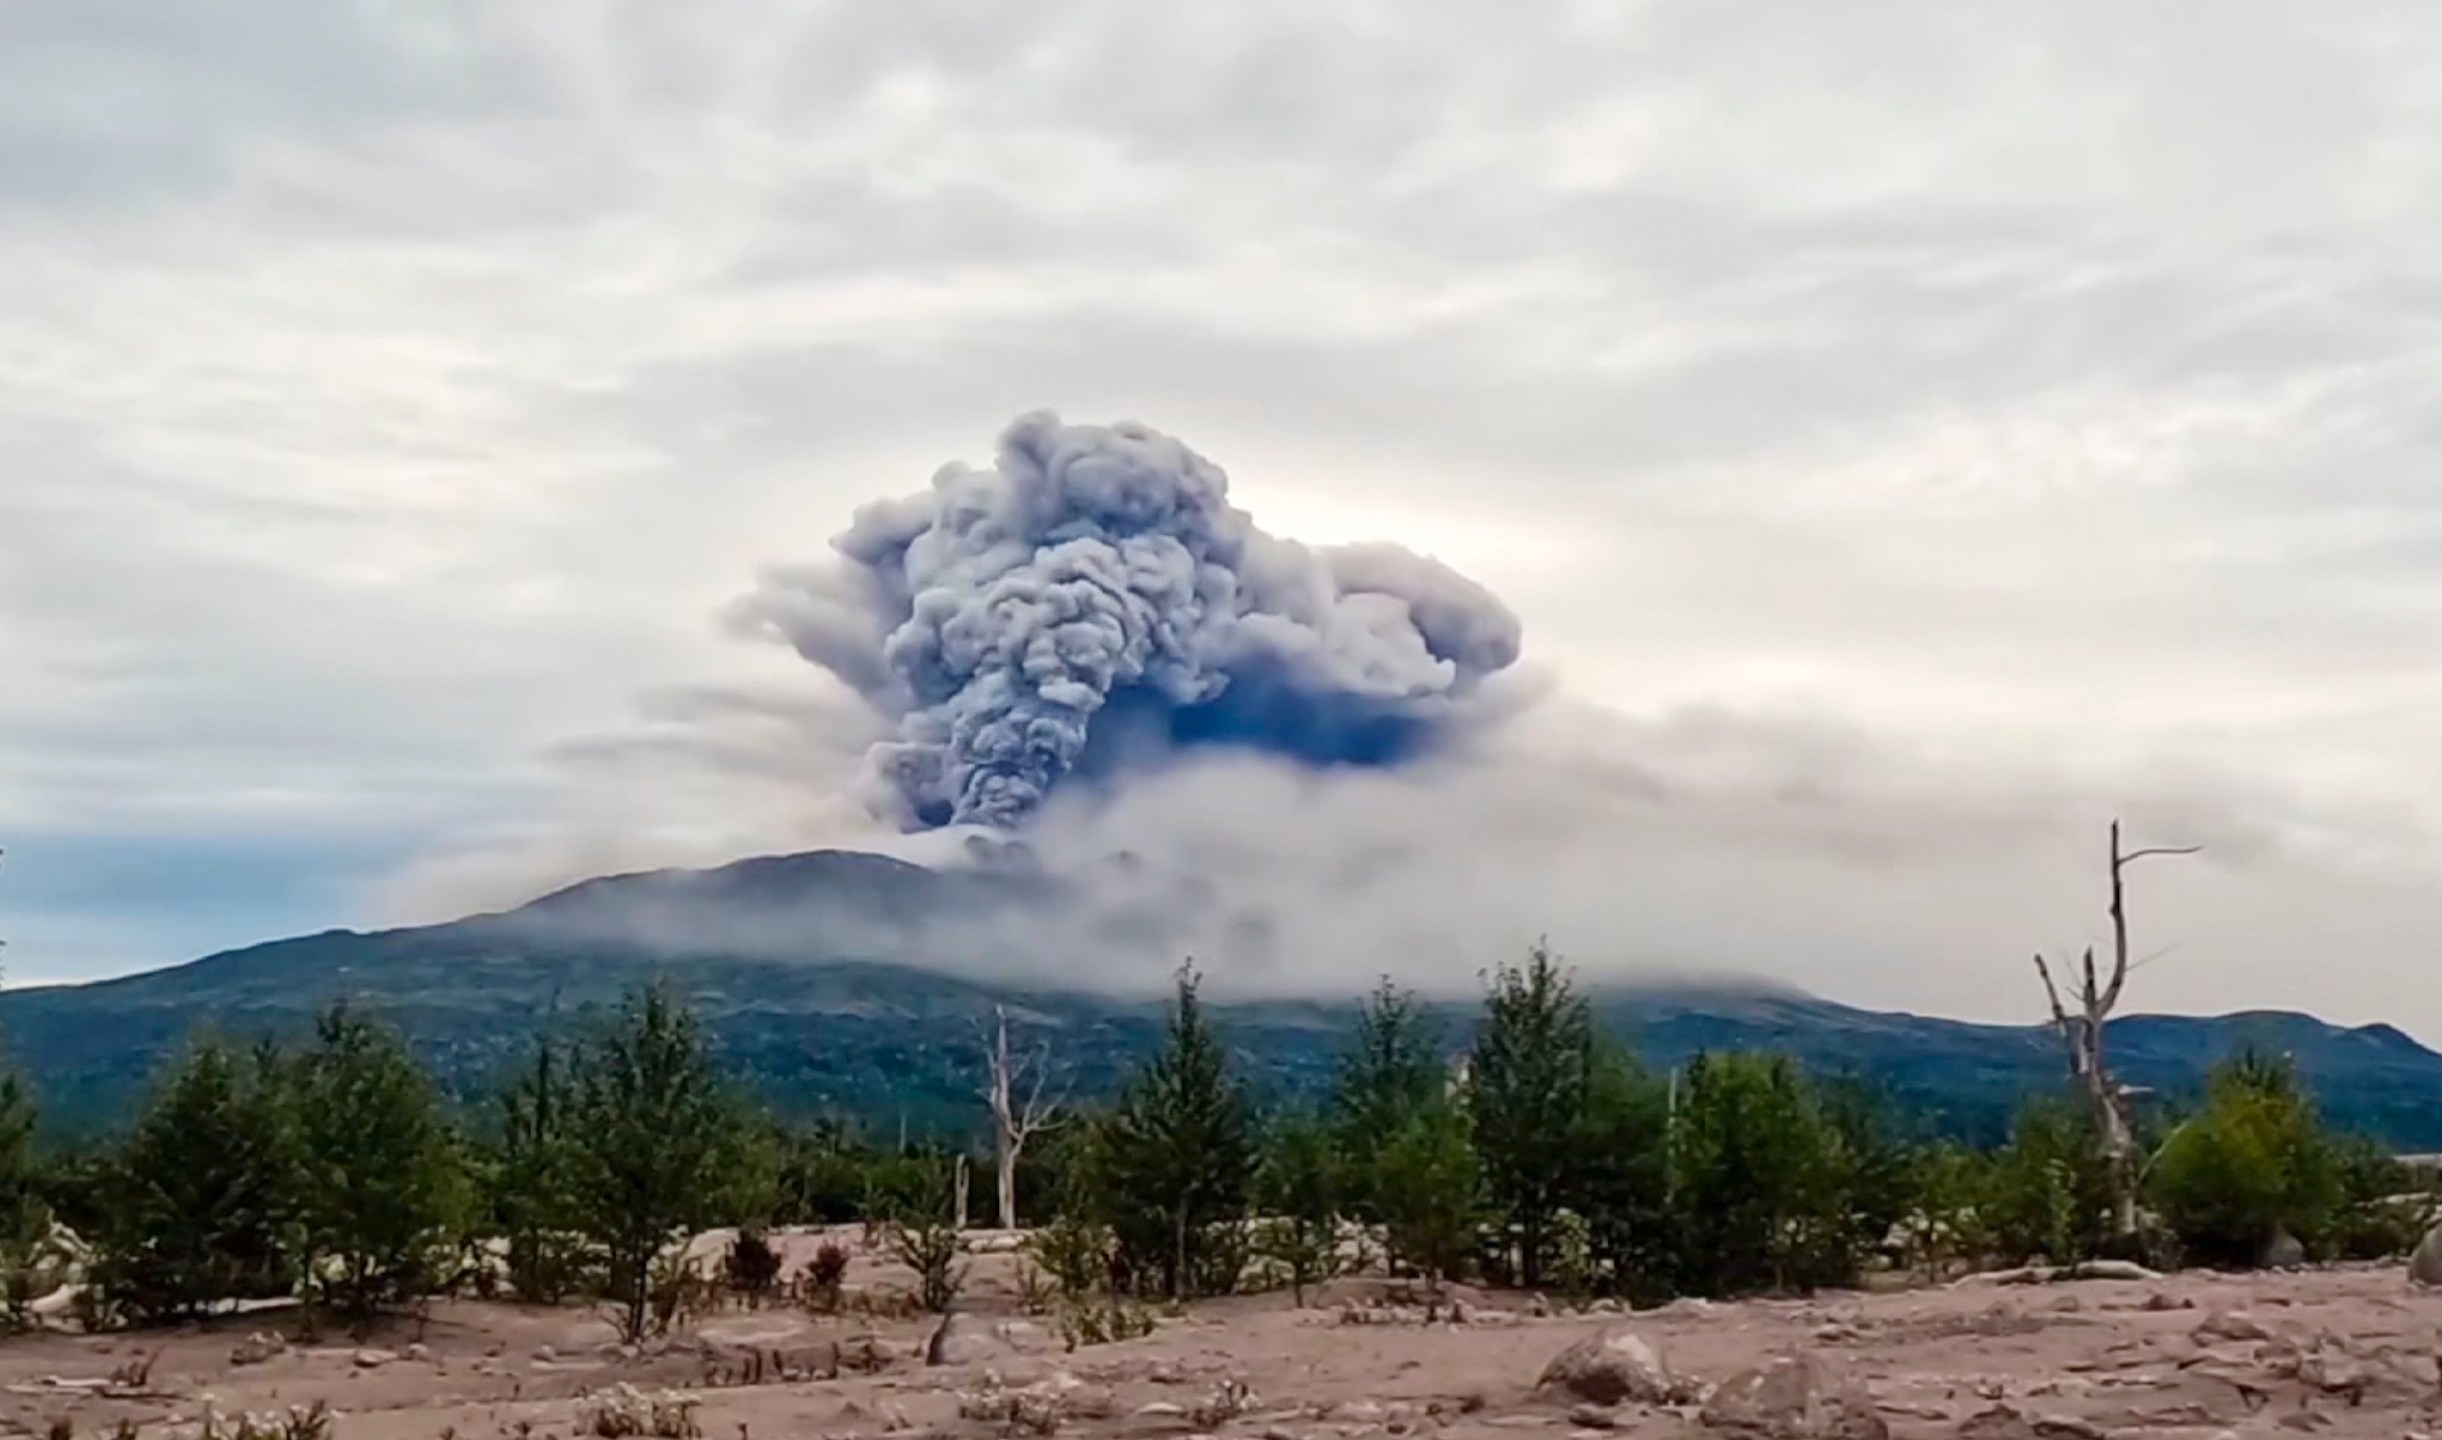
1618	1178
656	1152
384	1179
1527	1087
533	1182
1390	1073
1298	1188
25	1219
1430	1193
1175	1155
201	1197
1750	1173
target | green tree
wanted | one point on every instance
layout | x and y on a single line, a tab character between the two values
1298	1188
202	1196
1175	1156
1431	1193
25	1217
1618	1180
2255	1162
1753	1184
2050	1191
656	1150
1527	1084
385	1185
1390	1073
532	1182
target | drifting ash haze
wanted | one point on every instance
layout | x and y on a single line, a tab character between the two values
1081	668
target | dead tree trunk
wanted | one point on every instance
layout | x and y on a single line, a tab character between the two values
1015	1120
2081	1032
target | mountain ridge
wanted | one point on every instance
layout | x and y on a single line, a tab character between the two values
861	1015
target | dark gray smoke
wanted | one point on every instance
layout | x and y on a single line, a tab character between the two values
1093	600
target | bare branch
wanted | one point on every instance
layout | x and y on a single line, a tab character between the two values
2135	855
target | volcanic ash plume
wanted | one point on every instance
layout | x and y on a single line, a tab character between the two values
1093	600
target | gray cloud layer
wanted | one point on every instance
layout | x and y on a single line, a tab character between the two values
1974	423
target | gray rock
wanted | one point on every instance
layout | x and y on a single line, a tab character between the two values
1612	1366
966	1340
2284	1252
2425	1266
1794	1397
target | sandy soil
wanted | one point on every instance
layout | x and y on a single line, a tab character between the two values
2345	1353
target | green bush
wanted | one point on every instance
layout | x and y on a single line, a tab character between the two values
2253	1163
2048	1193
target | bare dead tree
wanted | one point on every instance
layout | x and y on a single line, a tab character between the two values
1016	1117
2081	1032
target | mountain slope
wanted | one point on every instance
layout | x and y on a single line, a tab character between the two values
815	975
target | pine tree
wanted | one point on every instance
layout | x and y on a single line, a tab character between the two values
384	1180
1750	1169
1175	1155
25	1220
657	1145
1391	1073
201	1197
1618	1178
532	1182
1527	1086
1431	1193
1298	1186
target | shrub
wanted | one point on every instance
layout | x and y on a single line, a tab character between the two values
752	1266
2254	1162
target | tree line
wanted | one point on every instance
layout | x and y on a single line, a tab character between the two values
1547	1157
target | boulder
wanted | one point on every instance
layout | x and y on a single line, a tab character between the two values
1611	1367
2425	1266
257	1348
1794	1397
967	1340
2284	1251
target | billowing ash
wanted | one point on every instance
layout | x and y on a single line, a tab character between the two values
1093	600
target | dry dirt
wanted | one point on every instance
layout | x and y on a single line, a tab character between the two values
2343	1352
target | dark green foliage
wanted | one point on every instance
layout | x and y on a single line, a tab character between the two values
2048	1193
1431	1193
2254	1162
384	1186
1534	1058
2381	1215
752	1266
1392	1070
202	1197
1298	1188
657	1145
531	1182
1619	1176
25	1216
1173	1159
1751	1163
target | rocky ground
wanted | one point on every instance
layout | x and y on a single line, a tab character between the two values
2344	1353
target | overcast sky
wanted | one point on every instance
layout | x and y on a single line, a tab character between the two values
2016	414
